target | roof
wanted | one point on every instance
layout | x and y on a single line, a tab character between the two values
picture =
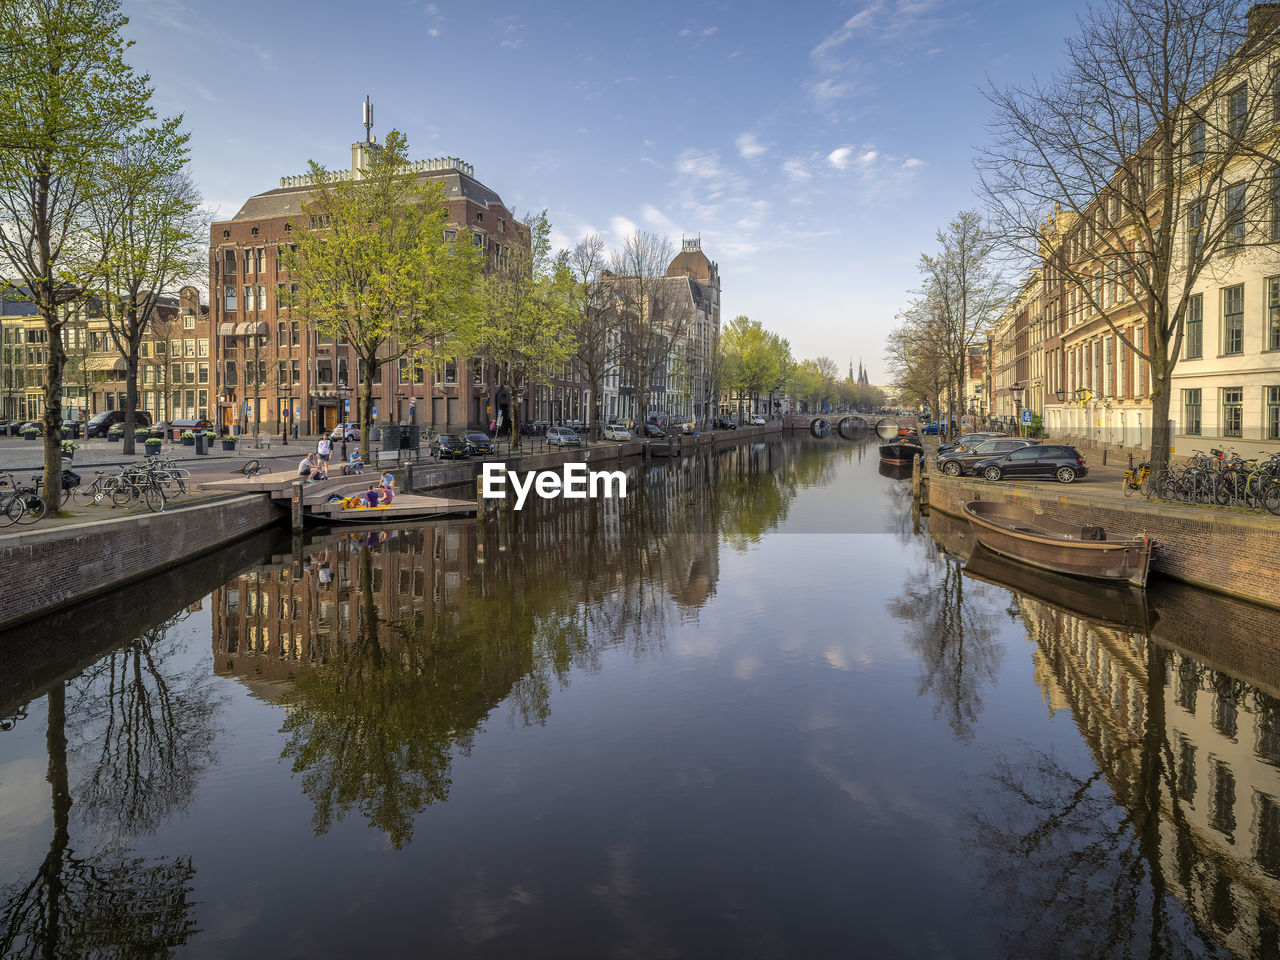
690	263
288	201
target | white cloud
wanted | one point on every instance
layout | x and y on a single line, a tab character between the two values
620	228
913	162
796	171
867	158
656	218
839	157
749	148
709	31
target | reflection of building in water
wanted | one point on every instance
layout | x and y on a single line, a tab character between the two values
270	621
1219	757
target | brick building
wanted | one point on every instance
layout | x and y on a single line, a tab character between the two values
272	368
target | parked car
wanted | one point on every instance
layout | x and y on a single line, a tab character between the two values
936	427
576	425
757	420
479	443
968	441
36	425
727	423
654	432
100	423
616	431
957	462
450	446
10	427
563	437
345	431
1045	460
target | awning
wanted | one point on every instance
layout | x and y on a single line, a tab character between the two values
106	363
243	329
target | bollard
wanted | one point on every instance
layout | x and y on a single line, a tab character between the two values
915	478
295	507
480	515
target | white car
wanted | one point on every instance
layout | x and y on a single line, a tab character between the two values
613	431
345	431
757	420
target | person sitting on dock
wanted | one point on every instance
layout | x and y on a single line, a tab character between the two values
307	465
388	487
353	465
372	496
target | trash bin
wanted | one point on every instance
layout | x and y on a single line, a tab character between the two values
390	436
200	438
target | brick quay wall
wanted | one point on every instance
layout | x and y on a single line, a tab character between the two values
1227	551
49	569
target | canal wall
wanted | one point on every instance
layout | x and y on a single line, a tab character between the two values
1220	550
59	565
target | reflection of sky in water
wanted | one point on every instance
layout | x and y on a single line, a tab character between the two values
791	766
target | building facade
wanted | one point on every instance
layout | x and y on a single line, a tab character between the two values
273	371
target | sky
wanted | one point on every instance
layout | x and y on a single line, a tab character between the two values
814	147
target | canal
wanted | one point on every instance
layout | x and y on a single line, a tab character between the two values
759	708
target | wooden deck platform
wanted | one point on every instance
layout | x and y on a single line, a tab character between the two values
409	506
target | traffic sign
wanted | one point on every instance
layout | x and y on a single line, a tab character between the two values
1026	416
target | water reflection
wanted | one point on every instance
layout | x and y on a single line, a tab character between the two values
391	650
1169	844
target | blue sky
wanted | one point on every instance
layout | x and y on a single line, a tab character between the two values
815	147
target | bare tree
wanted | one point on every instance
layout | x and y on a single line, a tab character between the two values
647	301
1145	163
598	323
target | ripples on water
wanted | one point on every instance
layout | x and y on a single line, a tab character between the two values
759	708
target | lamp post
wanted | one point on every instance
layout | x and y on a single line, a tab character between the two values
1017	390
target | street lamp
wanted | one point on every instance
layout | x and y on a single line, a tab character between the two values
1017	390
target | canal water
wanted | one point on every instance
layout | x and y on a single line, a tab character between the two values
759	708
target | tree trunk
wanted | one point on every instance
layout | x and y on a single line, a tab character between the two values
366	407
131	393
55	360
514	425
1161	436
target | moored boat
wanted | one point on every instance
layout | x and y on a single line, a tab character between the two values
1034	537
904	450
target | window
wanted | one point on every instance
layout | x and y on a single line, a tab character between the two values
1237	110
229	298
1235	216
248	298
295	371
188	322
1197	142
477	367
1273	313
202	373
202	347
175	375
188	348
1191	412
477	239
343	380
189	372
451	370
1193	334
294	333
1026	453
282	372
1273	413
231	378
324	371
1232	411
479	216
262	297
282	333
1233	319
1195	229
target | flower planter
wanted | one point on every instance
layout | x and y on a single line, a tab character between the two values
32	436
188	441
113	438
229	445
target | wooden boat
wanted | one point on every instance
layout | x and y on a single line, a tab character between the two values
1042	541
903	450
1111	604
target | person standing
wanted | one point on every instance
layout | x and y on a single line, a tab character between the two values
323	451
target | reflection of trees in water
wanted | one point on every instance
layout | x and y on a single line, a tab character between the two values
144	732
375	724
1151	853
953	636
103	904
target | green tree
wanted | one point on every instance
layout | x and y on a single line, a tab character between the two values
74	107
752	359
375	264
148	233
531	313
598	323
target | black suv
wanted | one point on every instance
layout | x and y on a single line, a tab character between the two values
1047	460
955	463
100	423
